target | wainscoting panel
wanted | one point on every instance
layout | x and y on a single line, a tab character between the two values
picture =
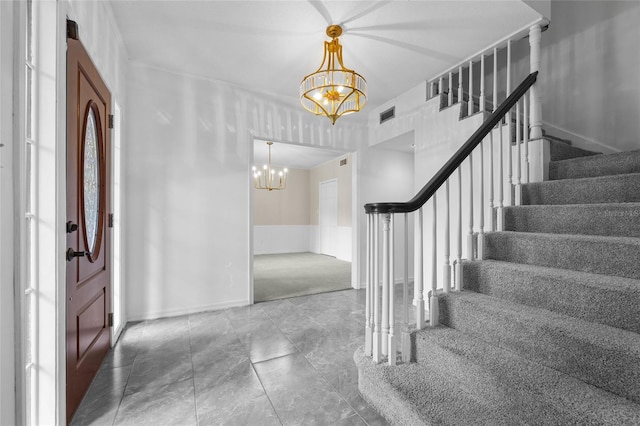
281	239
344	241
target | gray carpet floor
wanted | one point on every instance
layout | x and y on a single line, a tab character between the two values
281	276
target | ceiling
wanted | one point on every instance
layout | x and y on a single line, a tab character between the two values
292	156
269	45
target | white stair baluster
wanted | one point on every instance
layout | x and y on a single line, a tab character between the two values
433	297
482	95
491	189
470	253
460	88
495	78
419	272
509	131
535	37
392	304
440	87
446	268
480	243
368	331
385	283
377	348
406	336
470	105
518	188
458	263
450	88
525	129
500	224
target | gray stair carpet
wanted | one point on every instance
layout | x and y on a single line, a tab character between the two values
547	328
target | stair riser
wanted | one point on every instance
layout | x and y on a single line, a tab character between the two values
616	306
601	165
385	399
609	368
613	220
594	255
562	151
609	189
516	385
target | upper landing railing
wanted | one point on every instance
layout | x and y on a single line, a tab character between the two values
512	123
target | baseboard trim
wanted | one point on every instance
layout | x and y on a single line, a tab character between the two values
187	311
580	141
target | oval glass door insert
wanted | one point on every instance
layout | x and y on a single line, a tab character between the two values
91	178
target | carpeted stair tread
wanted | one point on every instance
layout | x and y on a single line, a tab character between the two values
459	379
613	219
603	356
604	299
597	165
410	394
562	151
586	253
535	393
603	189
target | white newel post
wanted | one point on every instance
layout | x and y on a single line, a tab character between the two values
535	38
377	348
392	345
539	149
419	272
446	271
433	297
385	283
458	263
406	342
368	330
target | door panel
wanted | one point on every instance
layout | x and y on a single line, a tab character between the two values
328	217
88	239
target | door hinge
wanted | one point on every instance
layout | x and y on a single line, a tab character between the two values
110	220
111	121
72	29
110	319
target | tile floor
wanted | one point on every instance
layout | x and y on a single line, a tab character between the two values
286	362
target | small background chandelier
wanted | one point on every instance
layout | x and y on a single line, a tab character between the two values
269	178
333	90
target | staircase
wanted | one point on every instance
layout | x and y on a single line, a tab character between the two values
547	329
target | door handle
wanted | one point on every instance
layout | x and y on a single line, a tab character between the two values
71	227
71	254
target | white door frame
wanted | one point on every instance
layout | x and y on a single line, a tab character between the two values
330	248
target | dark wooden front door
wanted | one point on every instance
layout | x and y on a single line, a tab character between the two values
88	237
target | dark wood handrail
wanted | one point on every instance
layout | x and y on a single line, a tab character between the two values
454	162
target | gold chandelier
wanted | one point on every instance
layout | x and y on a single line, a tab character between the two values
333	90
269	178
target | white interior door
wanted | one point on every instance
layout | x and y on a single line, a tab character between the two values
328	217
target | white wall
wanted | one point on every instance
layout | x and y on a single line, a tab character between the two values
188	186
383	176
7	344
591	83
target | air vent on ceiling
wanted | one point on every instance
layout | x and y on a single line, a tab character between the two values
388	114
343	162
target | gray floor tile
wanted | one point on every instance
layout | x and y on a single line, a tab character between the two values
236	397
158	370
263	340
100	404
299	394
172	404
282	362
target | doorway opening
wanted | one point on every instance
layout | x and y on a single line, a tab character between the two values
302	235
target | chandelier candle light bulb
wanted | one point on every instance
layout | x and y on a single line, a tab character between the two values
333	90
267	180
